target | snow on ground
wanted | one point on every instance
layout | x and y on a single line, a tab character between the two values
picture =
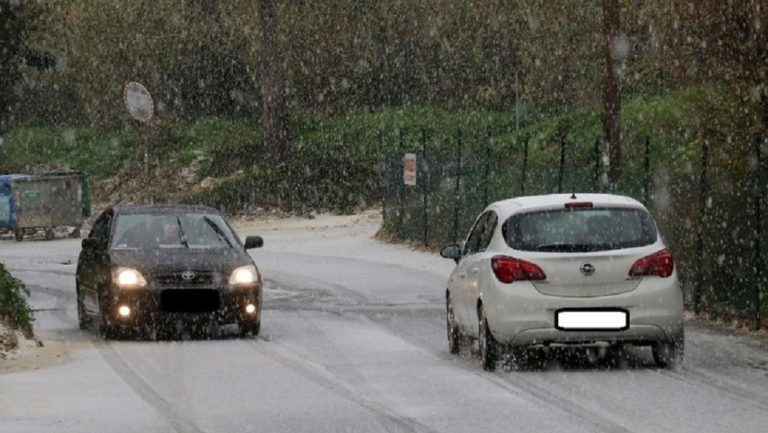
16	351
343	236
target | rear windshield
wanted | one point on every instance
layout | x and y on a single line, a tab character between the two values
182	230
580	230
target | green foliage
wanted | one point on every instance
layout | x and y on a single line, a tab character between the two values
321	173
228	145
97	153
334	160
333	163
13	301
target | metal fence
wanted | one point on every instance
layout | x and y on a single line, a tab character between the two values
708	210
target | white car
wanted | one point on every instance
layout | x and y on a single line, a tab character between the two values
556	269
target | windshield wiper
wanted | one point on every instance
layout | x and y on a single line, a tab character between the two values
219	232
181	233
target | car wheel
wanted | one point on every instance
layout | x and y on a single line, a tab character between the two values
488	347
82	317
49	234
454	334
669	353
107	328
250	328
617	355
18	235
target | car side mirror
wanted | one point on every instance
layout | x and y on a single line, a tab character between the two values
452	251
90	243
253	242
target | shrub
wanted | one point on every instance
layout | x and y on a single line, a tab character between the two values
14	309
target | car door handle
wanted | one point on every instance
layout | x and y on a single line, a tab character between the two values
463	275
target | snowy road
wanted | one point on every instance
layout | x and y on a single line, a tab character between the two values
353	339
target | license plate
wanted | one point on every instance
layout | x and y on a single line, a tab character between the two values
614	319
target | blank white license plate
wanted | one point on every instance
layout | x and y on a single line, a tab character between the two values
592	320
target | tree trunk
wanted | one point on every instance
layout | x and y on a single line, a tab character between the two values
274	115
611	101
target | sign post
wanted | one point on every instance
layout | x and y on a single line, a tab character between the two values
409	169
141	107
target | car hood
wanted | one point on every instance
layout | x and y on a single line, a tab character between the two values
170	260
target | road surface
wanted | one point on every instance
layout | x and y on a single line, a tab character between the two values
353	339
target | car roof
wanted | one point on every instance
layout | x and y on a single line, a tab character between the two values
163	208
550	201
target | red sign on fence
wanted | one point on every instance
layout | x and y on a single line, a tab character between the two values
409	169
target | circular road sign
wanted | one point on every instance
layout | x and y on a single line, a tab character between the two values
138	102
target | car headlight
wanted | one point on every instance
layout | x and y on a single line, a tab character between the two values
128	278
244	275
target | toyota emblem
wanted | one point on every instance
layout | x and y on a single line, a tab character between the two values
188	275
587	269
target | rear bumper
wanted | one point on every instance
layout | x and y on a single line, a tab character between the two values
146	307
519	315
635	334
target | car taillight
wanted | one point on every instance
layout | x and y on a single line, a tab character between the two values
658	264
509	269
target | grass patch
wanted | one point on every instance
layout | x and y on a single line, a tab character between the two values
98	153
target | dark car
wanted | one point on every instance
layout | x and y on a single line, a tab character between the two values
146	268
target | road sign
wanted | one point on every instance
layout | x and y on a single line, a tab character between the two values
409	169
138	102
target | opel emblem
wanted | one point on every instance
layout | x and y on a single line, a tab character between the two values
188	275
587	269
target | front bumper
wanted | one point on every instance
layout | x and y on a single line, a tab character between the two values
519	315
148	309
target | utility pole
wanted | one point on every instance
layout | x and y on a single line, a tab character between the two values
611	100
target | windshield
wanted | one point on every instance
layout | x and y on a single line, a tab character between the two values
183	230
580	230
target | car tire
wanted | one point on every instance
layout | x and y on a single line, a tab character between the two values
82	317
488	347
49	234
250	328
669	353
107	329
453	332
18	235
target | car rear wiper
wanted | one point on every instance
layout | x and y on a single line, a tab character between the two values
181	233
219	232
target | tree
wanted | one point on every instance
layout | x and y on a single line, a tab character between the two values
274	116
15	24
611	101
